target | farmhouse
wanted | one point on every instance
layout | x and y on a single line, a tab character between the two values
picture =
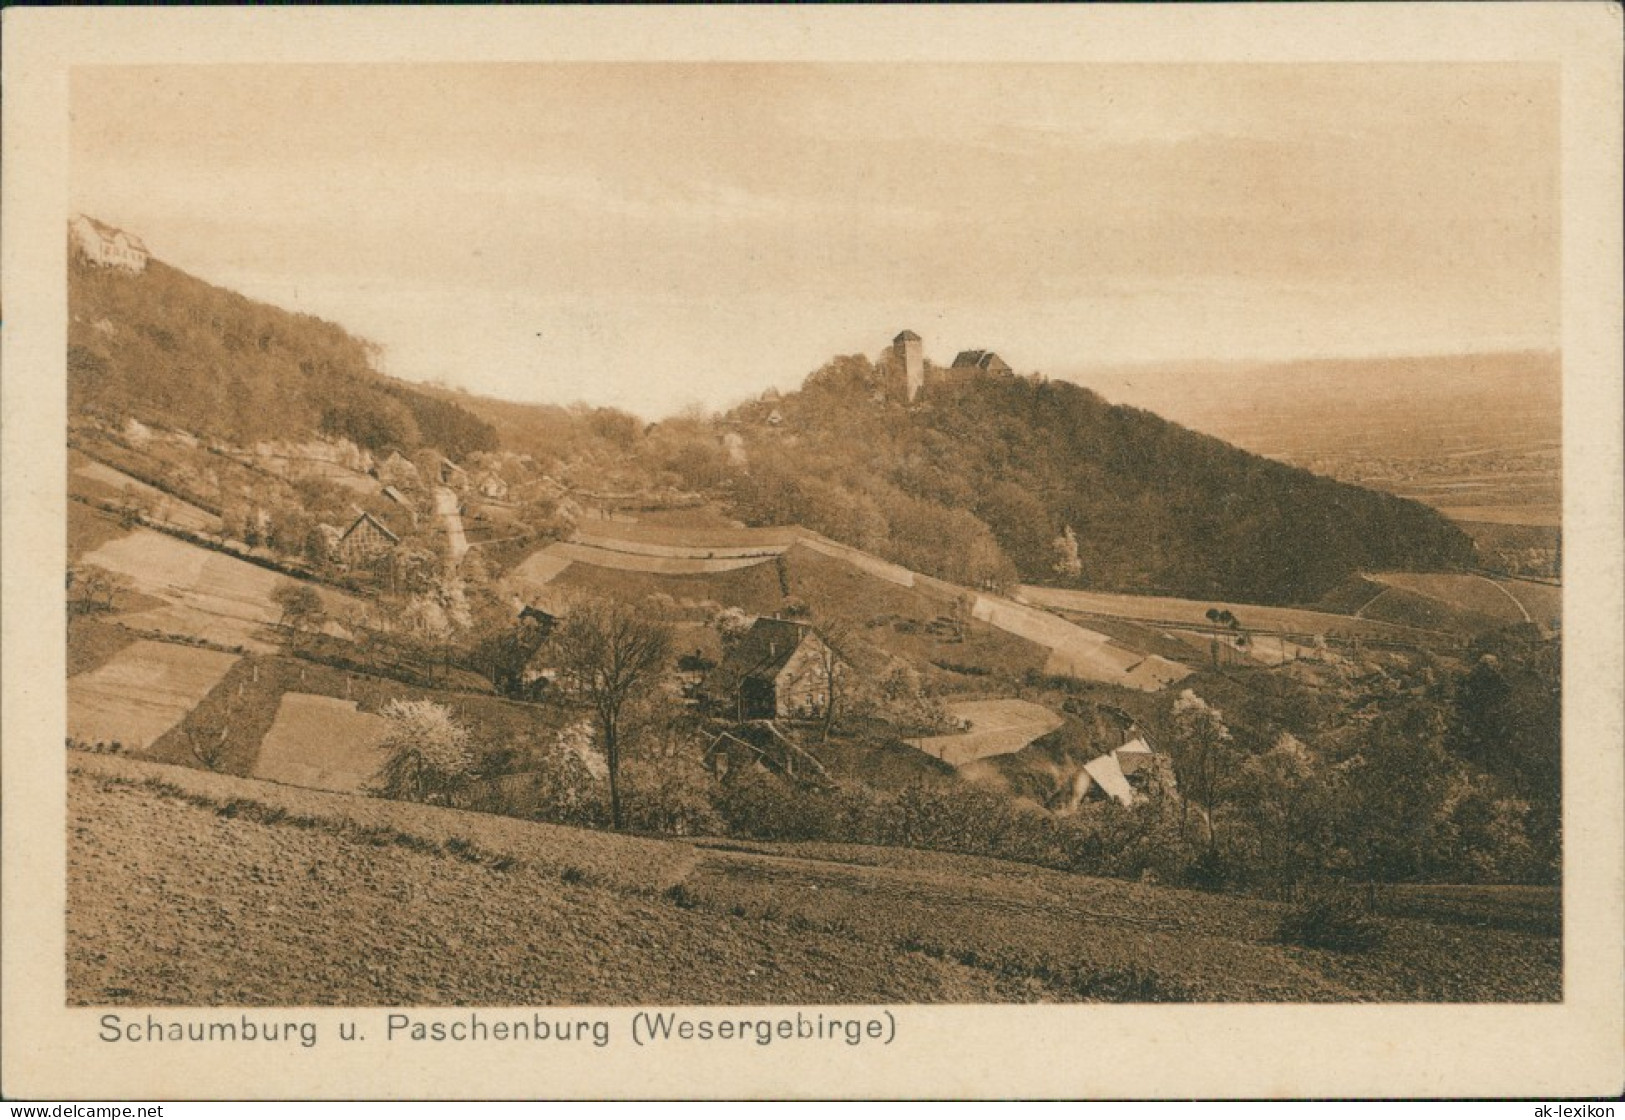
1106	774
778	669
544	621
366	539
105	245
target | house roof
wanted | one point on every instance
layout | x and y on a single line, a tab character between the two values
979	359
381	527
907	336
759	654
108	233
1108	775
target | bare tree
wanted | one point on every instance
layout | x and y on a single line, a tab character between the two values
609	654
94	589
834	654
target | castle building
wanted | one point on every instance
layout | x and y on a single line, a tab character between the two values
982	361
918	375
911	357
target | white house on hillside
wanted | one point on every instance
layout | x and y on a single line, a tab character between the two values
102	244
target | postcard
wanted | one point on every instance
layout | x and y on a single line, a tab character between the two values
925	552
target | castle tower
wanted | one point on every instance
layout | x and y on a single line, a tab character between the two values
909	355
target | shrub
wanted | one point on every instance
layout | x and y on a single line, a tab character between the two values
426	751
671	796
759	805
1331	921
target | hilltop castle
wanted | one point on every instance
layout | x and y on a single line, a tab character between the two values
918	374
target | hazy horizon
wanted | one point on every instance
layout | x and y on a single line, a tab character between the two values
651	236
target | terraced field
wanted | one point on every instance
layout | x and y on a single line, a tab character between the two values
995	727
205	594
321	742
1193	612
667	560
98	480
1510	601
142	691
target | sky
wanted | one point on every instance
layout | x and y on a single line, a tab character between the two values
657	235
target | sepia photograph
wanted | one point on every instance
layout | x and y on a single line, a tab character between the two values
781	542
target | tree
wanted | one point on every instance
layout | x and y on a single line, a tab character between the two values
301	606
1204	756
1397	785
834	645
427	752
92	589
1291	801
610	654
1067	561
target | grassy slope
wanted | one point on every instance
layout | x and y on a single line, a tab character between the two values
259	890
89	529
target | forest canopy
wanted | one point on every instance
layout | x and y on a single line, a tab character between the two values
1071	490
165	347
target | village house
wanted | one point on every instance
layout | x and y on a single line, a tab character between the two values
397	470
492	485
778	669
1110	775
104	245
365	540
450	474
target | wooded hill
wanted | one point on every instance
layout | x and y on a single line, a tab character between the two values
170	349
1152	506
976	484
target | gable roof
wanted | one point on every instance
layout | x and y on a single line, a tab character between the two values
1132	756
1108	775
979	359
379	525
108	233
907	336
759	654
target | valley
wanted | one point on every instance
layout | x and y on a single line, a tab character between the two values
940	685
